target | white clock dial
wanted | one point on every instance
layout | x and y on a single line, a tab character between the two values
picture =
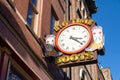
73	39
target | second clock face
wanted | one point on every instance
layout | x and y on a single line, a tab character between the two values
73	39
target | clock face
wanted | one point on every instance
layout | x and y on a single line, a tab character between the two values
73	38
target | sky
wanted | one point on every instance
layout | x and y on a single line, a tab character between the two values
108	16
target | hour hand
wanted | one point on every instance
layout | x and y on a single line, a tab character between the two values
73	38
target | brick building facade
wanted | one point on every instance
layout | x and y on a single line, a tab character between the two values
23	28
23	25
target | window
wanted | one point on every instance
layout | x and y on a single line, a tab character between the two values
83	10
78	8
82	74
78	13
32	12
16	72
53	21
34	2
68	10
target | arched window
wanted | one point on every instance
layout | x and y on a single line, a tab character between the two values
82	74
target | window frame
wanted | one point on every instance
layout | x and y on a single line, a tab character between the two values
34	11
19	69
54	20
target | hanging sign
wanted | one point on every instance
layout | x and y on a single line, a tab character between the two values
88	22
73	43
76	59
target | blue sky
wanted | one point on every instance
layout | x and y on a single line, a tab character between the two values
108	16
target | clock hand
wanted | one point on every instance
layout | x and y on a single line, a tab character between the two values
77	37
75	40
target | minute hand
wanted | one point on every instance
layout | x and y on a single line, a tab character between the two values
75	40
77	37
